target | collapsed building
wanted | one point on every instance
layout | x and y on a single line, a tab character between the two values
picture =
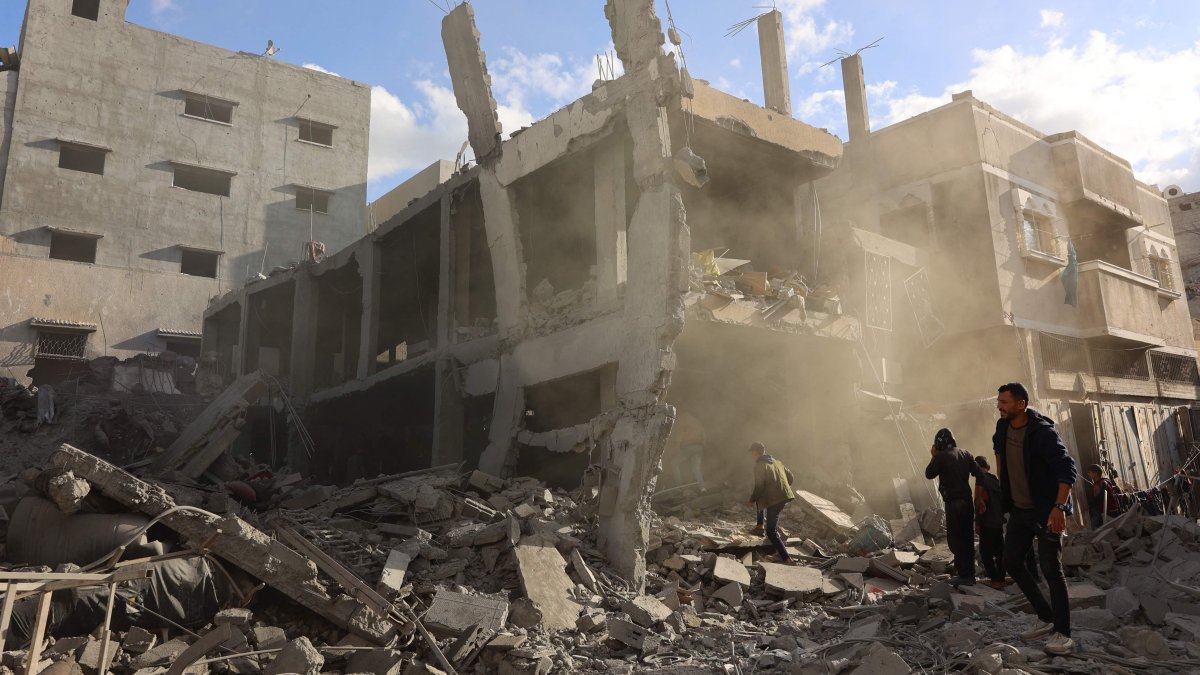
540	313
660	246
142	173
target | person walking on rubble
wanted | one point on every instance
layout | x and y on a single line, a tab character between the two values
1036	475
772	492
953	467
989	523
687	441
1102	497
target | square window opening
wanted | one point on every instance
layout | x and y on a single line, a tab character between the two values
86	9
202	180
73	247
204	107
199	263
315	132
55	345
309	199
1037	233
80	158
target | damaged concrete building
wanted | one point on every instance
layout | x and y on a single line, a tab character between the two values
1185	217
142	173
985	251
539	315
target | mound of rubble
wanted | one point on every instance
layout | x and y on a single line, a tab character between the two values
449	571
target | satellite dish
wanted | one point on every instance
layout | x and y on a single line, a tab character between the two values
272	50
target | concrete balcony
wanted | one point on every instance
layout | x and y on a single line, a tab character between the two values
1090	174
1120	303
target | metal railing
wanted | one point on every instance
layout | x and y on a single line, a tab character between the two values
61	346
1129	364
1174	368
1063	353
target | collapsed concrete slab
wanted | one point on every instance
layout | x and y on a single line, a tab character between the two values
545	582
231	538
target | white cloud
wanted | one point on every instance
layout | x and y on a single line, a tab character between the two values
1051	18
1142	104
159	7
319	69
735	63
407	135
808	32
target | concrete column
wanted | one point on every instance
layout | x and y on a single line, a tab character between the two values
444	318
460	271
368	337
855	86
239	357
304	334
612	263
448	414
504	243
777	91
472	84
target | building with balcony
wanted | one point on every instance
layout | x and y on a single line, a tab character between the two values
1185	217
1038	258
142	174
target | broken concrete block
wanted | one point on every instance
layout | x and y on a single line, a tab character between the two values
879	660
299	657
89	657
523	613
730	594
525	511
544	580
646	610
452	613
854	564
632	635
67	492
67	645
1188	625
727	570
791	581
1084	594
1145	642
486	483
959	638
237	616
427	498
505	642
377	662
269	637
584	571
162	654
138	641
592	622
391	580
1094	618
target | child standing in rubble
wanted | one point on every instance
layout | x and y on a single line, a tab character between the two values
772	492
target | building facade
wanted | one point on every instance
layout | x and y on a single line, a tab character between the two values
144	173
1023	257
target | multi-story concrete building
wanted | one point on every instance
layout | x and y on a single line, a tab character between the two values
541	313
1006	254
1185	217
143	173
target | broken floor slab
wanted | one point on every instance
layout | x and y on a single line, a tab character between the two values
545	582
451	613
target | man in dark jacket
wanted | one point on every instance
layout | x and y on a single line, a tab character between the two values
989	522
772	492
953	467
1036	475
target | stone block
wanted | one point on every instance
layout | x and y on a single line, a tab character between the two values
237	616
791	581
852	564
646	610
727	570
632	635
730	594
544	580
299	657
451	613
138	641
879	660
268	637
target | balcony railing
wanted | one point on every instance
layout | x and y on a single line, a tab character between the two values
1062	353
1129	364
1175	368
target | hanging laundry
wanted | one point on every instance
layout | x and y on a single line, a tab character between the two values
1070	276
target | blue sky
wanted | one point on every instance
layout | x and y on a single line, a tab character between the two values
1126	73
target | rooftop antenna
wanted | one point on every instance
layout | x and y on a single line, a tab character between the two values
843	54
271	49
743	25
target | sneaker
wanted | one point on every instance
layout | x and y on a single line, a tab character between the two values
1038	630
1059	645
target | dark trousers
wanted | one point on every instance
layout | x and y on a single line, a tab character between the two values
991	551
769	518
1023	528
960	536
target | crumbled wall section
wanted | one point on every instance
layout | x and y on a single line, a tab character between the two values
640	337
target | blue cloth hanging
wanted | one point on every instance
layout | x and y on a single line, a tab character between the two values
1070	276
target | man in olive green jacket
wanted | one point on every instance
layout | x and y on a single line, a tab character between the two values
772	492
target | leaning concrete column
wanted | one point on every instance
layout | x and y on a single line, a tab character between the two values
777	92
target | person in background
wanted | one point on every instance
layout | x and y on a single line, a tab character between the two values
953	467
1182	487
1036	475
1102	497
989	523
772	492
687	440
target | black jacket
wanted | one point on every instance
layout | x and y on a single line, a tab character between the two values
1047	463
993	515
953	468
